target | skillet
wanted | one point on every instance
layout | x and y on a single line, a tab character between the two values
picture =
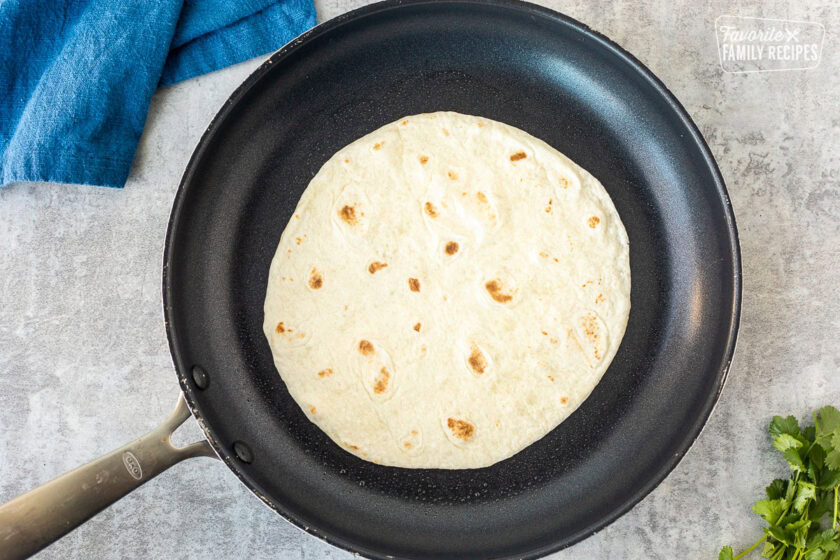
510	61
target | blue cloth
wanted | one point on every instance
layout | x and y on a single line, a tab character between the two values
76	76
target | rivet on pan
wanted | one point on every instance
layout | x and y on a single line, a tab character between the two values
243	452
200	378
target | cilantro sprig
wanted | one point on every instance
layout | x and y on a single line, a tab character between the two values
802	511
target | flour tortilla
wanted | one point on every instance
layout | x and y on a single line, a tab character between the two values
447	292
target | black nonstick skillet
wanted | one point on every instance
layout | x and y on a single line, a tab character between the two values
509	61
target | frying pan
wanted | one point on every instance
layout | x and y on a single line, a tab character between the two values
510	61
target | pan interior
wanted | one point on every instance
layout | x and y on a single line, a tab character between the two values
556	80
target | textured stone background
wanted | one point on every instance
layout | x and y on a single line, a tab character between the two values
84	364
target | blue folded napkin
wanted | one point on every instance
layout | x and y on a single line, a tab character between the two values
76	76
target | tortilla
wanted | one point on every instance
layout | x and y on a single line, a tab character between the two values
447	292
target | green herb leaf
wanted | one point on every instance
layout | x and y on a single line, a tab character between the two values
828	420
816	554
770	510
822	504
776	489
785	537
829	478
788	519
794	460
791	491
832	459
783	442
804	494
726	553
820	539
781	425
813	472
769	549
817	456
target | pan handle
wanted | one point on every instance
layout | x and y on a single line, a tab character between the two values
44	515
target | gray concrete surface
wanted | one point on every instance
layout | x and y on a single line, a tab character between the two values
84	363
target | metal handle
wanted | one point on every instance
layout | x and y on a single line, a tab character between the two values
44	515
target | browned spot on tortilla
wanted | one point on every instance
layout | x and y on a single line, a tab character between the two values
555	259
351	446
376	266
589	324
480	125
547	209
407	444
405	122
452	175
316	280
564	182
478	362
312	409
445	132
543	254
298	240
430	209
280	328
550	378
545	333
414	284
552	340
461	429
550	201
424	160
297	216
600	298
348	214
517	156
414	432
325	372
585	284
451	248
494	288
417	327
593	221
378	145
381	384
289	251
564	400
366	347
481	196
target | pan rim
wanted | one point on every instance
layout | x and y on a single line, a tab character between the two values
631	63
